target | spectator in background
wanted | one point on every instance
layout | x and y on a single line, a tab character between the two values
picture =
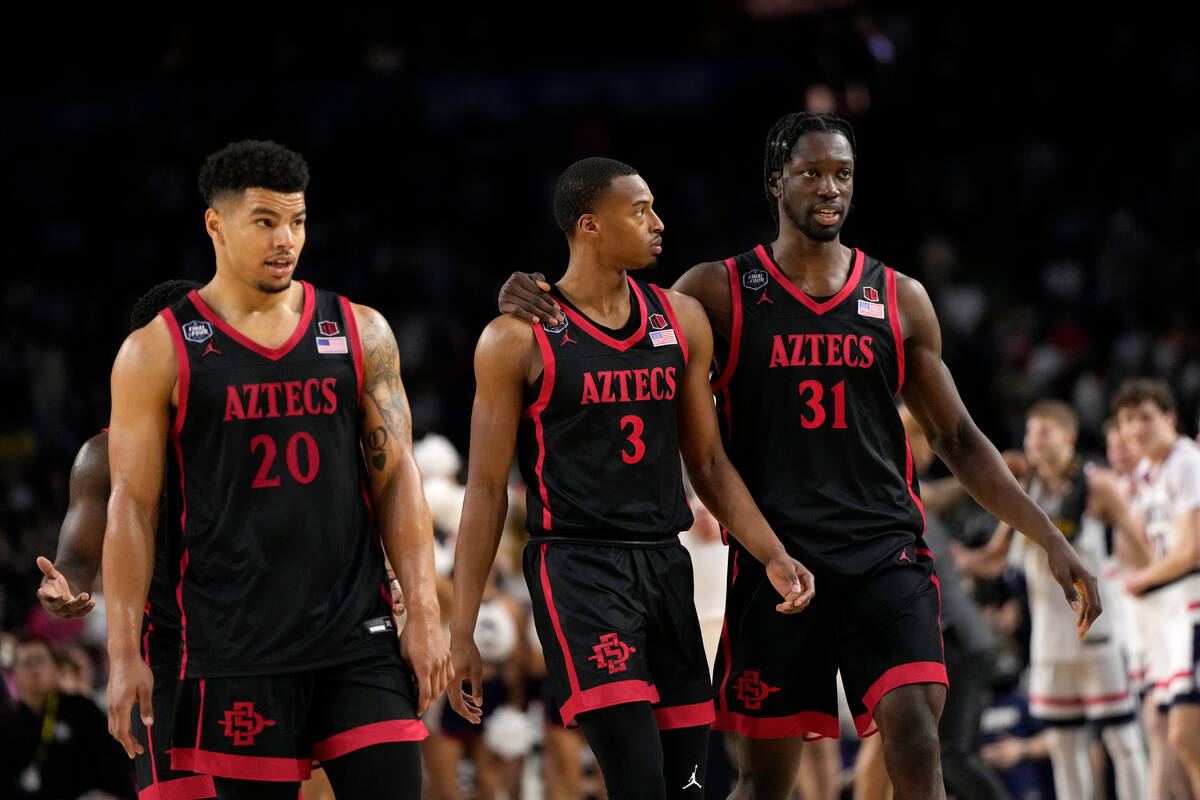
55	746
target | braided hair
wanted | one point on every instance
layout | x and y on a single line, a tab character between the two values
783	137
157	298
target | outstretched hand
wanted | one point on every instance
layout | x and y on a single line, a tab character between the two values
526	295
1078	585
793	581
56	596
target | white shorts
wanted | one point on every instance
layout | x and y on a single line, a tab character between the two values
1171	632
1091	689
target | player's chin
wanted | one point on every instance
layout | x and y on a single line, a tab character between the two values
275	286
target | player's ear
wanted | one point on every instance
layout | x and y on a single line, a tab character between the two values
587	224
212	224
773	183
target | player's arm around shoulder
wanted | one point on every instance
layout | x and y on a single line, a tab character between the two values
65	591
144	387
405	526
708	283
507	358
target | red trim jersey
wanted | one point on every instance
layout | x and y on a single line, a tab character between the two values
280	566
806	402
598	445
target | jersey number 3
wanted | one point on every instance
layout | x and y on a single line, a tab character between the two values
634	437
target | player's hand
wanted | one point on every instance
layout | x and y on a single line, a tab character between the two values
1079	585
793	581
468	666
398	606
526	295
130	683
56	596
423	646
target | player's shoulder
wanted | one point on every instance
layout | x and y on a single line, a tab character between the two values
91	462
684	305
1184	454
707	275
506	331
148	349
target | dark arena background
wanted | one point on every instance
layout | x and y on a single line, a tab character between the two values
1039	172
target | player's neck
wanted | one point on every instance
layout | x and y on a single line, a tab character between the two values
1054	475
806	260
599	290
233	299
1158	453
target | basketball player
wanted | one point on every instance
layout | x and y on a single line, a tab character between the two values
264	388
1073	682
1167	481
67	585
600	409
818	339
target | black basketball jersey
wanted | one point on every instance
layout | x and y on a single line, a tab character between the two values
280	568
806	402
598	444
162	610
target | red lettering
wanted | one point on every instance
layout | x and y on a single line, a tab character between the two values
233	404
636	427
641	379
252	409
624	376
834	354
293	459
851	359
606	392
311	387
292	389
328	387
261	479
868	356
814	342
797	340
590	393
778	355
655	375
670	383
271	390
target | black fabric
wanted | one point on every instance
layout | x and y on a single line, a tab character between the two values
231	789
598	445
281	570
293	717
808	415
391	770
639	761
773	666
628	618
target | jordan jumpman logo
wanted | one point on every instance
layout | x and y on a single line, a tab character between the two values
692	780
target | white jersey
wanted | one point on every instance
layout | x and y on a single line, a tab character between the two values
1166	489
1054	635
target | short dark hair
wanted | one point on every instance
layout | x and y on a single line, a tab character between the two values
251	163
1135	391
156	299
581	185
782	137
1055	411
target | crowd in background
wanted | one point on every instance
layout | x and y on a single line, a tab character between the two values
1044	202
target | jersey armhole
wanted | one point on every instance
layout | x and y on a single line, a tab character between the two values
183	367
547	378
356	349
735	325
662	298
894	319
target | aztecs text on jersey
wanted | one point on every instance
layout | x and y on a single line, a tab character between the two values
807	405
598	445
280	565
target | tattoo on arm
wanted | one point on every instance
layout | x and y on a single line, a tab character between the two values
386	391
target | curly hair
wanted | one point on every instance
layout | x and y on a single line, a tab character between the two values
581	185
783	136
156	299
252	163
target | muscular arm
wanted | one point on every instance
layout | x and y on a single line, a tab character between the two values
717	483
67	583
405	527
930	393
708	283
1181	559
504	357
143	383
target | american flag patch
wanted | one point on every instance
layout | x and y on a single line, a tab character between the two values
331	344
660	338
868	309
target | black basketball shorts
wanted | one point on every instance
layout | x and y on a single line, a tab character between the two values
156	780
273	727
617	623
775	674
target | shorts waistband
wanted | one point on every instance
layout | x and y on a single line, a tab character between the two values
600	541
